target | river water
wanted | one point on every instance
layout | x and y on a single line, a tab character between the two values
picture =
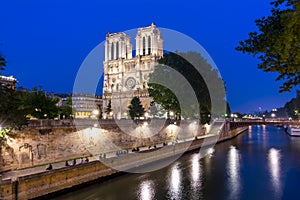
261	163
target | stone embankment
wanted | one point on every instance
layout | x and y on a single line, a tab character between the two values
47	182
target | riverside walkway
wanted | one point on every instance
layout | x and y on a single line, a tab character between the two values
13	175
36	181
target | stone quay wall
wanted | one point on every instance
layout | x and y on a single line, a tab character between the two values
47	182
22	149
50	141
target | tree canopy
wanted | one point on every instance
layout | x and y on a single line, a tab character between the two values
2	63
136	109
108	109
18	105
66	111
12	114
195	70
293	107
39	105
277	43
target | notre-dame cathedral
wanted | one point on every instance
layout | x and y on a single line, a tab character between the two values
125	75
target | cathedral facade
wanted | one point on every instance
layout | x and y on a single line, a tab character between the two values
126	76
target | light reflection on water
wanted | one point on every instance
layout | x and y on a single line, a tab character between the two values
146	190
175	182
233	170
195	171
254	165
196	177
274	168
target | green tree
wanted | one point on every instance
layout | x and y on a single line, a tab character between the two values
293	107
100	116
12	114
195	69
277	41
37	104
2	63
136	109
108	109
67	110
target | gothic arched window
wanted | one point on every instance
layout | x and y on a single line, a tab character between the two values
117	50
144	46
112	51
149	44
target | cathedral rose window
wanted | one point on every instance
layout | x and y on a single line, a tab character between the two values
130	83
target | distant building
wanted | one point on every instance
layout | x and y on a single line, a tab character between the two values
8	81
86	105
126	76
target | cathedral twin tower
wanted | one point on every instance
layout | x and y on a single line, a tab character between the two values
125	75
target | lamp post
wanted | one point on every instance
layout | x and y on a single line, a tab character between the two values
273	116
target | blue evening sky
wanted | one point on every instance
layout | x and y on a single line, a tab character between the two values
45	41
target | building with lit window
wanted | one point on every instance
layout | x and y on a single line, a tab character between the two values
8	82
86	105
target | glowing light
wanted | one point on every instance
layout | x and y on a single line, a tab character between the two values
146	190
175	181
274	167
233	168
171	113
146	115
210	151
207	127
195	172
95	112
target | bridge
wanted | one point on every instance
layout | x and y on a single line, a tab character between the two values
241	123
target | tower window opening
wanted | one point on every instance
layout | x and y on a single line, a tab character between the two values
112	51
117	50
149	45
144	46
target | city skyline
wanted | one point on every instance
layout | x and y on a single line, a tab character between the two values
46	42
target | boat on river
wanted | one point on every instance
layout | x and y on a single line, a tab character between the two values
293	130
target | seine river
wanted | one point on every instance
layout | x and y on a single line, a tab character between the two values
262	163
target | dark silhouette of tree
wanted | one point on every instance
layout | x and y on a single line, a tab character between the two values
136	109
194	68
67	110
108	109
100	116
12	113
2	63
37	104
293	107
277	41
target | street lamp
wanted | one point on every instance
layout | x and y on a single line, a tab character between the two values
146	115
95	113
273	116
171	113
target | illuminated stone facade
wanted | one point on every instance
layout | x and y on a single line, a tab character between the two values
127	76
86	105
8	82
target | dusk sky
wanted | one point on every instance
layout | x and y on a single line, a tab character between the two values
45	42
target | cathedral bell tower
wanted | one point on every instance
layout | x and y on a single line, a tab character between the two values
149	41
125	76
